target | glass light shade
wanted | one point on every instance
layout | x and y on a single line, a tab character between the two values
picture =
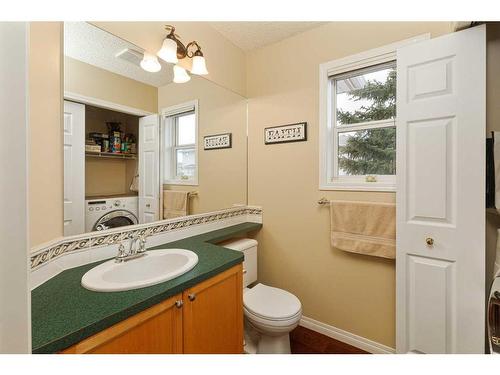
168	51
150	63
180	74
199	66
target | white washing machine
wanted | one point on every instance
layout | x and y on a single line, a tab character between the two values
102	214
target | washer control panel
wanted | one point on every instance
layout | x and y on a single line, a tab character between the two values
98	206
110	204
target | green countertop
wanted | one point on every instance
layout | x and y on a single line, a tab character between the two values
64	313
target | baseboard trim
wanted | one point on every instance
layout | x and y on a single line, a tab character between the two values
346	337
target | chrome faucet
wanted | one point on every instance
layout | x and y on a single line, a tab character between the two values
134	250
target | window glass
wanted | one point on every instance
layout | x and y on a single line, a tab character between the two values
366	95
186	164
367	152
186	129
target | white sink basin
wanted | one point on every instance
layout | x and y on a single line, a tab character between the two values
153	268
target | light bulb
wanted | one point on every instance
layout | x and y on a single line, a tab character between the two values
150	63
199	66
180	74
168	51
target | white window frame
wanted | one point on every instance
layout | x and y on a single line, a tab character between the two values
168	126
327	130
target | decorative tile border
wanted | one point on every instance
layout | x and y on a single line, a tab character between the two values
55	249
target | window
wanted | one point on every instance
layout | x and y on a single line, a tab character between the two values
364	129
358	120
180	166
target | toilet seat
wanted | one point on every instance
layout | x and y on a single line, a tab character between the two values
271	306
281	324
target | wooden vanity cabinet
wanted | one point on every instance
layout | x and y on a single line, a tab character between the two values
206	318
213	315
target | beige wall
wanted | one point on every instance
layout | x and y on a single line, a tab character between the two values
88	80
45	117
222	173
225	61
351	292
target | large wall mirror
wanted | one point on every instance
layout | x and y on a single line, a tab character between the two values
138	147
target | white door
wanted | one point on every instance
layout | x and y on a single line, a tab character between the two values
74	168
149	168
440	262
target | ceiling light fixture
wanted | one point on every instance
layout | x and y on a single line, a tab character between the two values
173	50
180	74
150	63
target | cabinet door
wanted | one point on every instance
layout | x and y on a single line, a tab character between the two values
74	168
157	330
213	314
440	196
149	168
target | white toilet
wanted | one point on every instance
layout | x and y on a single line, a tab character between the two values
271	312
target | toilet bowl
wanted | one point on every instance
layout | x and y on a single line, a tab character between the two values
272	312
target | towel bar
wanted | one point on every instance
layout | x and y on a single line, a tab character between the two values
323	201
193	193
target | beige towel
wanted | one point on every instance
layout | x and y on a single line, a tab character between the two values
364	227
175	203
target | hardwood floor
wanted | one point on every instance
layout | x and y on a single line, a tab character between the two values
306	341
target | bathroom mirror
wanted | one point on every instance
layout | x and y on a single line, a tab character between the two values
138	147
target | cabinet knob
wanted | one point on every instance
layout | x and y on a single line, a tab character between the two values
192	296
179	304
148	205
429	241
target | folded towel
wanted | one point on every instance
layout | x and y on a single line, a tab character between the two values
364	227
175	203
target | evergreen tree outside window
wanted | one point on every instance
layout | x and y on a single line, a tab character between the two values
364	108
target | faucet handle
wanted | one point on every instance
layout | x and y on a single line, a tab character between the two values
122	254
142	244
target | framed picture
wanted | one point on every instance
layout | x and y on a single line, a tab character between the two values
217	141
286	133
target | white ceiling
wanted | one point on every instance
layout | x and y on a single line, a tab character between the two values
252	35
88	43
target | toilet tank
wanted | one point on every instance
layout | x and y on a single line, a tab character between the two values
249	249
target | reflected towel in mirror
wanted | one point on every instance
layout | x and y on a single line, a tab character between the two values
175	203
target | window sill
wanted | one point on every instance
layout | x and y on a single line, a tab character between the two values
360	187
181	182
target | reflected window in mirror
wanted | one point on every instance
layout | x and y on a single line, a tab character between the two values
180	145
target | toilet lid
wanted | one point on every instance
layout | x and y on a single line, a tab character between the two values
271	303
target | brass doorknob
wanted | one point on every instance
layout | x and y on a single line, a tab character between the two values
429	241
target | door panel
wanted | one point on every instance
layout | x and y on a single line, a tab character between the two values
430	170
74	168
149	169
440	291
213	320
431	304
